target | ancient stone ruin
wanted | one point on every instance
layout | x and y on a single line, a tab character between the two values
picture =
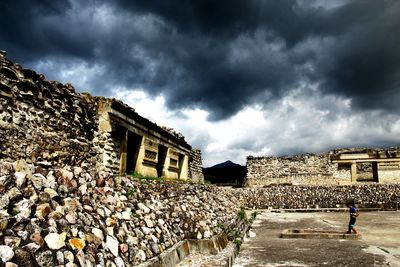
48	123
337	167
66	198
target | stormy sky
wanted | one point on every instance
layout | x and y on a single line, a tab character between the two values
237	78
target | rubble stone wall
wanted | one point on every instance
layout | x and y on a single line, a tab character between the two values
195	166
43	121
48	123
73	215
384	196
301	169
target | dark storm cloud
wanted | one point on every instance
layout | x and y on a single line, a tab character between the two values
219	55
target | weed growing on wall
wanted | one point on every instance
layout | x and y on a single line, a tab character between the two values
242	213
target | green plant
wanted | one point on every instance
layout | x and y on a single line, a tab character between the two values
151	178
143	177
221	225
237	242
241	214
131	191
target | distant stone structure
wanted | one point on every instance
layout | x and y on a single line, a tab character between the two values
337	167
48	123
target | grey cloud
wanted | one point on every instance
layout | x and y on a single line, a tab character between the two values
218	55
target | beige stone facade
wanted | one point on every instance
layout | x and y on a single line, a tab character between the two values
139	145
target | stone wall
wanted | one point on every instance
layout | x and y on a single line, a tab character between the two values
74	215
48	123
44	122
299	169
195	166
383	196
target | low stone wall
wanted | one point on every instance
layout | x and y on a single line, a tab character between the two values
52	216
308	169
383	196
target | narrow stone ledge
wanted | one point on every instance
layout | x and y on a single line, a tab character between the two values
318	234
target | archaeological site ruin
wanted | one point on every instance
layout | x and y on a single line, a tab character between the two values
56	126
337	167
75	187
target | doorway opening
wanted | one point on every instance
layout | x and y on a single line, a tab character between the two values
133	147
161	156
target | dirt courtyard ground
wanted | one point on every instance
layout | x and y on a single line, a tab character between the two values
378	246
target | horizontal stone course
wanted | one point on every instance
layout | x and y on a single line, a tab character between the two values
383	196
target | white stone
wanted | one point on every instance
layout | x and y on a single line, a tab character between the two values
88	208
101	212
146	230
207	234
126	215
32	247
199	236
110	230
50	181
83	189
51	192
67	174
55	241
71	218
24	210
77	171
60	257
98	233
149	223
252	234
119	262
81	258
37	180
154	238
6	253
74	231
143	207
20	178
132	240
60	209
141	255
107	211
69	256
112	245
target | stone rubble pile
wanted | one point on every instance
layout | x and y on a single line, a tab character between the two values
384	196
72	216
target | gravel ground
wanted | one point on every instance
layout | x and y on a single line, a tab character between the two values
379	244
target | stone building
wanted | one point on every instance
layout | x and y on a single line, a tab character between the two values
336	167
48	123
135	144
